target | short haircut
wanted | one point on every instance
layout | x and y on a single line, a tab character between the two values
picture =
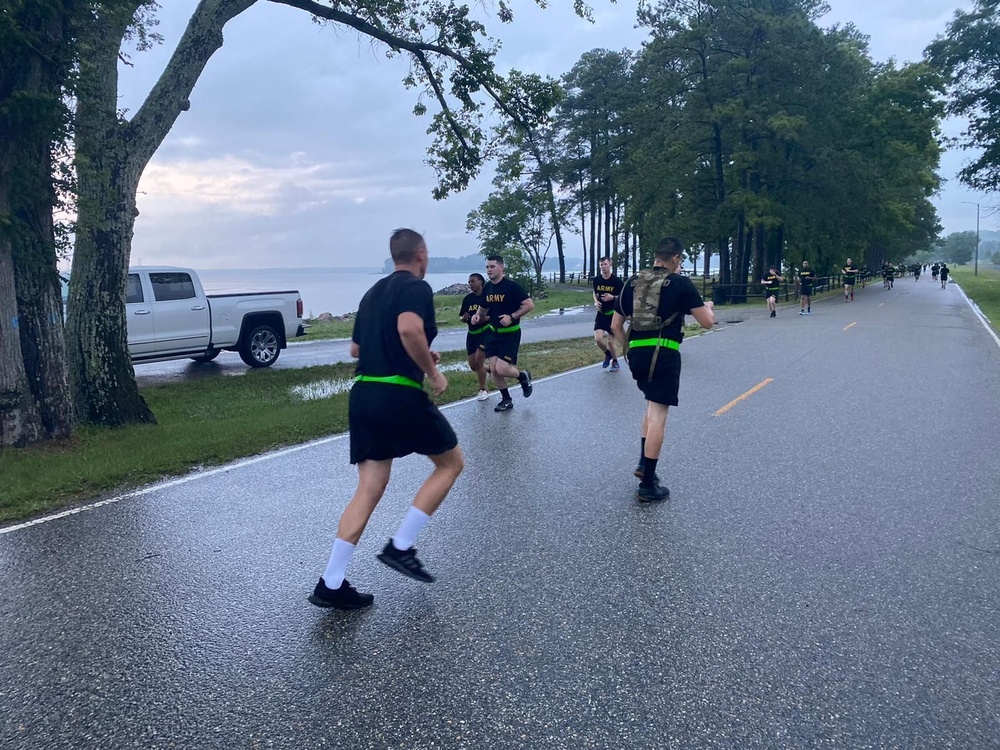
404	245
495	258
668	248
477	276
605	258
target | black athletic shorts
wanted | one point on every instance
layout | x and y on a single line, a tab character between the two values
475	341
603	322
392	421
665	385
504	346
806	291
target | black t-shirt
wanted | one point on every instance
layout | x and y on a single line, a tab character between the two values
850	274
807	277
375	328
944	272
611	285
471	304
678	296
503	298
771	283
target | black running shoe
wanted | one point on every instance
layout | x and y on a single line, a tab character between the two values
655	494
345	597
505	405
405	562
525	380
607	360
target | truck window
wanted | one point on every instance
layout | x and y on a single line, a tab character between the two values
172	286
133	289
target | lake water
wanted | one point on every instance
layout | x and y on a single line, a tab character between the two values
322	289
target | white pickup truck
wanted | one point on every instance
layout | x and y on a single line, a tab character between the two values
170	317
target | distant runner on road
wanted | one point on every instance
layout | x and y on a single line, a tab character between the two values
850	272
607	288
807	278
944	272
771	284
475	339
391	416
656	301
506	303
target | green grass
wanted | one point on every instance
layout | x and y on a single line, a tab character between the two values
212	421
446	309
983	289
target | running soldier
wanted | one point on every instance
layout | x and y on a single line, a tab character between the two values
771	284
475	339
656	301
944	272
607	287
807	279
506	303
390	416
850	272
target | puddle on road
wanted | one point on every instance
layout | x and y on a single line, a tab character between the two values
328	388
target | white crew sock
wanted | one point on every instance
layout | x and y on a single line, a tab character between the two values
411	526
340	558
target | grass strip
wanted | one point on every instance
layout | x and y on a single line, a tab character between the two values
212	421
446	307
983	289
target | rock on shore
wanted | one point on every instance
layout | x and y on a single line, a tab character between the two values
455	289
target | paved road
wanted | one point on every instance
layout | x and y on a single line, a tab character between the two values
827	574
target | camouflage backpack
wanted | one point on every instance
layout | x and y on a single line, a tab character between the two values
647	286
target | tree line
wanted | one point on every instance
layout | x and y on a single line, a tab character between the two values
741	125
749	131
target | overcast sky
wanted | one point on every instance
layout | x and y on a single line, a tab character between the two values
301	150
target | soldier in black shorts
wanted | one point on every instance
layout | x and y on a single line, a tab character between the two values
390	416
475	339
607	287
654	355
506	303
807	278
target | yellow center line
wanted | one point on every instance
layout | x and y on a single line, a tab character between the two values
851	326
745	396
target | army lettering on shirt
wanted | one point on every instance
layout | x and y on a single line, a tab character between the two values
471	304
807	277
381	352
770	284
850	274
611	285
503	298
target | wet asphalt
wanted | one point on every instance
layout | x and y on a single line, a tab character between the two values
824	576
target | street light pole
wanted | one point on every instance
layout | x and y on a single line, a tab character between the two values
970	203
976	273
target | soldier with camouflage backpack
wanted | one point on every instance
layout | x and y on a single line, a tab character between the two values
655	302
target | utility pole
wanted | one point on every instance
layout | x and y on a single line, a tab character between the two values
976	267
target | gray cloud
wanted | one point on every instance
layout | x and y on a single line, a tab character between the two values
301	148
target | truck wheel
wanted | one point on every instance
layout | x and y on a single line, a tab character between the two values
207	356
260	348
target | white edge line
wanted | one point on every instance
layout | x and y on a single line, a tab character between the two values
979	314
220	469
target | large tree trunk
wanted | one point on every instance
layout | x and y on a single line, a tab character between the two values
31	363
110	157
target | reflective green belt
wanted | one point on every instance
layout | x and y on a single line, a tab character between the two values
607	313
509	329
669	343
393	379
479	330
